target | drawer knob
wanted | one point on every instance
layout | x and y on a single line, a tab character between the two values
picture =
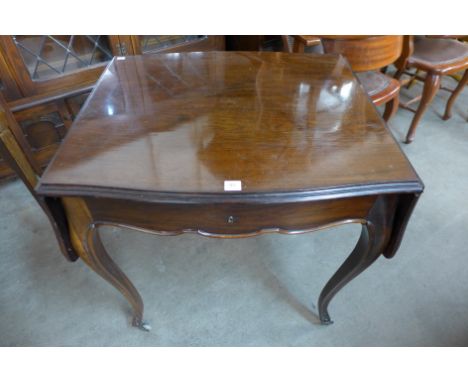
230	219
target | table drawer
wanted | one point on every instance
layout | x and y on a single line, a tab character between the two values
229	218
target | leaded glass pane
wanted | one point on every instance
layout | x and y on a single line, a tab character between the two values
51	56
155	43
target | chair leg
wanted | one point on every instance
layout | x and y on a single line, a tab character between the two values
286	44
398	73
298	47
431	86
391	108
453	97
413	78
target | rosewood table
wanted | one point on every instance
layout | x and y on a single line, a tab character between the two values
230	145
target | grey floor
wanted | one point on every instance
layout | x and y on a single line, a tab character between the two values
258	291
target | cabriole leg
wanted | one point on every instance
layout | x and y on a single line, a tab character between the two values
461	85
431	86
374	236
87	243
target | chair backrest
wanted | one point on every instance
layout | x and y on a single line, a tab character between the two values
15	150
365	52
18	155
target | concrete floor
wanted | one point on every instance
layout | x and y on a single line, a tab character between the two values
257	291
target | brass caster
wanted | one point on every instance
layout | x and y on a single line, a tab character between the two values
143	325
325	319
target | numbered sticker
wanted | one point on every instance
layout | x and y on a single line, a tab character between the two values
232	185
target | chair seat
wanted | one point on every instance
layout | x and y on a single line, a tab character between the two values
439	55
380	87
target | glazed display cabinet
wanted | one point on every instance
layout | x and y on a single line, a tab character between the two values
45	79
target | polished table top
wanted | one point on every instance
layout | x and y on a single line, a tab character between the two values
185	122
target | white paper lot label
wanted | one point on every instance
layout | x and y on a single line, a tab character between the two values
232	185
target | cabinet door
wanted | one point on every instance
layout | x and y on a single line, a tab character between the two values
44	127
8	86
54	63
147	44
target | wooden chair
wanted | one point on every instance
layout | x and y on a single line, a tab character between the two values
367	55
300	42
437	57
18	155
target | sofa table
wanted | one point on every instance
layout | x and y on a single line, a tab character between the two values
230	145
